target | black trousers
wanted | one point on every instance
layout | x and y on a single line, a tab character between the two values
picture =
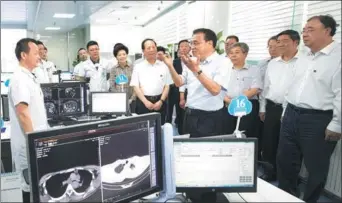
199	123
270	137
141	108
173	100
26	197
248	123
302	135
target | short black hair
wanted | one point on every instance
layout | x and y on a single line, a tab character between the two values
293	34
209	35
23	46
183	40
116	45
145	40
92	43
39	43
233	37
272	38
328	22
119	48
162	49
81	49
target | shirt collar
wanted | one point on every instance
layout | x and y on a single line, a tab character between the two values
126	66
329	48
279	58
94	62
210	58
245	67
26	71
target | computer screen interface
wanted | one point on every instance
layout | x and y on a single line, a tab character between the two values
223	165
104	165
64	99
108	103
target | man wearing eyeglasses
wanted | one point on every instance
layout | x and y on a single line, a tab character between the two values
230	40
277	77
311	123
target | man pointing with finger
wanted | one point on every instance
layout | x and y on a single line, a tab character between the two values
205	75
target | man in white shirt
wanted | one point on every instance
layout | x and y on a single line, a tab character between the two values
205	77
26	107
278	74
82	56
45	69
274	53
95	69
151	80
311	124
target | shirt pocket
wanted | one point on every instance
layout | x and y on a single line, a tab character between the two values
247	82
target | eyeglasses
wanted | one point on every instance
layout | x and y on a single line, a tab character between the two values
307	31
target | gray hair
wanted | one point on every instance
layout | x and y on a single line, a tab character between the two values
243	46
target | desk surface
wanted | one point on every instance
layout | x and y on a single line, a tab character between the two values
266	192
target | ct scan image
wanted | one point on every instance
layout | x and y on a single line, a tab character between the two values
125	164
70	100
69	174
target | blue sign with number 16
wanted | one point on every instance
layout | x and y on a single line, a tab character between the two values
240	106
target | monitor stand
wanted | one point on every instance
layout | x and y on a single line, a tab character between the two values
107	117
169	182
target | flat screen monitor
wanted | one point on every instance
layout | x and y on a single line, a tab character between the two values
215	164
66	76
113	103
64	99
108	161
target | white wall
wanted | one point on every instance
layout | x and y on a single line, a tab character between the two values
108	35
57	45
76	41
9	39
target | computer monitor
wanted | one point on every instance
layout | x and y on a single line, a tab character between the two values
108	161
64	99
66	76
108	103
215	165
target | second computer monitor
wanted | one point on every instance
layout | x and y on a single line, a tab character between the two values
221	165
108	103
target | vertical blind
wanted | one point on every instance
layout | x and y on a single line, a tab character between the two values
255	22
327	7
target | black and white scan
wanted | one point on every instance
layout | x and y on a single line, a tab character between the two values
69	174
125	164
70	100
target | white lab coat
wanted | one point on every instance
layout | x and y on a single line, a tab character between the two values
98	77
44	72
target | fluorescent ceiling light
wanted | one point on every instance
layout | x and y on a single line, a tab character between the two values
52	28
119	12
45	36
64	15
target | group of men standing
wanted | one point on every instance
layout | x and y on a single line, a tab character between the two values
300	98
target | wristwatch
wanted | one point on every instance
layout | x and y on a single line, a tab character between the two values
198	73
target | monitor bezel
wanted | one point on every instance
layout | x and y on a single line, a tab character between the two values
31	153
107	113
66	84
223	189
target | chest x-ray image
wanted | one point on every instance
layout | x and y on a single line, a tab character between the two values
125	163
68	174
111	167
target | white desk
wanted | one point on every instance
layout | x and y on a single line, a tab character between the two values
266	192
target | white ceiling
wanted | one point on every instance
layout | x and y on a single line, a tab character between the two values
130	12
36	15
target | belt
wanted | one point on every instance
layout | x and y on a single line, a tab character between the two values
270	102
309	111
195	112
153	97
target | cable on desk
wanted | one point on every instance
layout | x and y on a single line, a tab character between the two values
241	197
